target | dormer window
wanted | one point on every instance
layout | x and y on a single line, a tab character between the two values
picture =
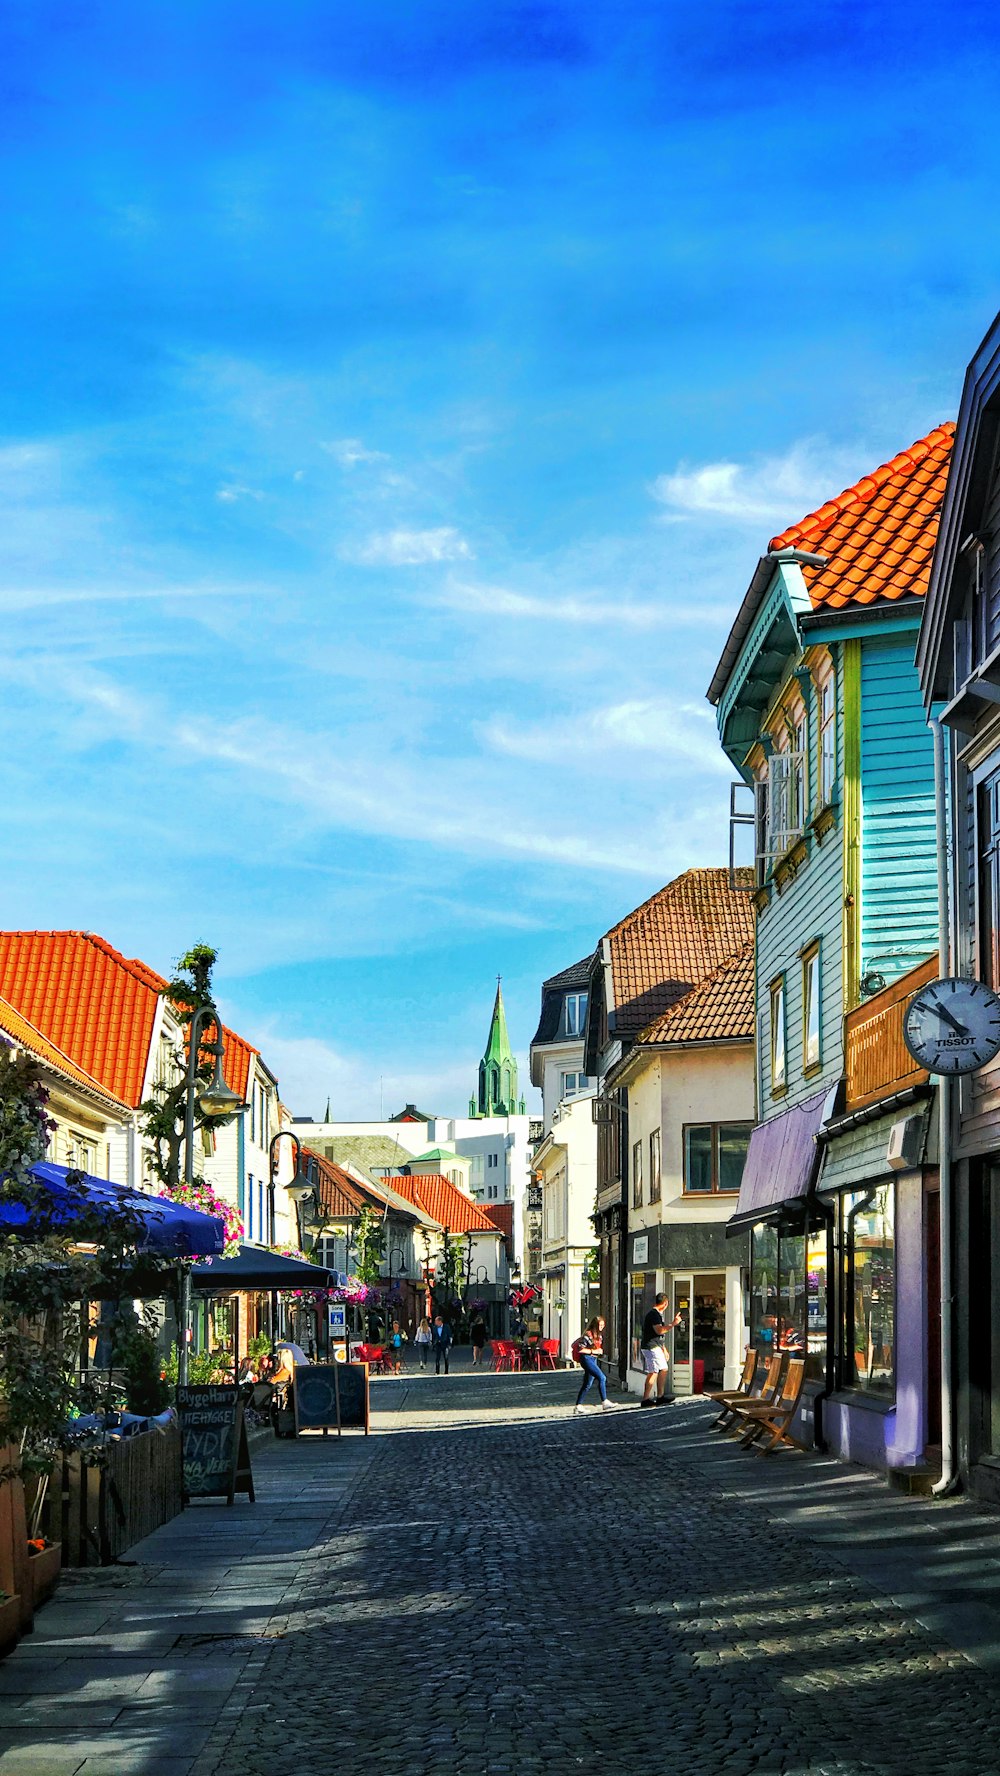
574	1014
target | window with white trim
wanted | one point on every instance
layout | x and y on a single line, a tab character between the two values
779	1066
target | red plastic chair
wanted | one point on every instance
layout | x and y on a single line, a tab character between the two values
547	1353
500	1351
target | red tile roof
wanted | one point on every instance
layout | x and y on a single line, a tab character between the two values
672	942
97	1006
719	1009
444	1203
340	1196
879	534
502	1217
15	1025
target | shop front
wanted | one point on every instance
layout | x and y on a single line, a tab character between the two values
843	1271
884	1378
704	1276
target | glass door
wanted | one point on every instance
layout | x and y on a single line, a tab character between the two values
681	1367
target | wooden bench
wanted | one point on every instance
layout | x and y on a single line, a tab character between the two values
770	1421
767	1394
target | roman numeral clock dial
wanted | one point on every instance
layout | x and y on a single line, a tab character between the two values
953	1026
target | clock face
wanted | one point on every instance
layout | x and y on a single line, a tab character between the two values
953	1026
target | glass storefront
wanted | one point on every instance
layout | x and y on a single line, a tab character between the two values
868	1318
642	1291
788	1295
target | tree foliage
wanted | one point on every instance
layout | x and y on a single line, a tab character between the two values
369	1245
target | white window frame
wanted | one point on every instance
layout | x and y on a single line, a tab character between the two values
778	1035
826	721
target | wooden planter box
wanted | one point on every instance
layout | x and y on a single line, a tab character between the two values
43	1569
10	1624
106	1510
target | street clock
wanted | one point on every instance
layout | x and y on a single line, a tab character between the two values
953	1026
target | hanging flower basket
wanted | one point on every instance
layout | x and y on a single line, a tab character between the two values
200	1195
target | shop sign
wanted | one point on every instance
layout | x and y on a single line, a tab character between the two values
640	1249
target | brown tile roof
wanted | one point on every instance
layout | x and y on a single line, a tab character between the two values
673	942
502	1217
18	1028
879	534
444	1203
340	1197
720	1008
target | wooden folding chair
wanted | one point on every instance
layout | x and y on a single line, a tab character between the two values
772	1421
726	1396
770	1391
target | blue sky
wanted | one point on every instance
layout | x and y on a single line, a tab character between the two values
395	400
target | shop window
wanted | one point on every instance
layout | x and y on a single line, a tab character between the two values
643	1288
654	1166
811	1008
778	1292
816	1304
779	1069
714	1156
868	1329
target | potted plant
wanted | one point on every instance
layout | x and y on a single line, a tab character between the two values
44	1561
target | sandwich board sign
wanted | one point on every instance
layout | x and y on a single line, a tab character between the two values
331	1396
214	1450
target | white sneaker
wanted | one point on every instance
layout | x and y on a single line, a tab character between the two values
611	1405
577	1410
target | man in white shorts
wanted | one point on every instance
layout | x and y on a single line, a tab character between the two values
654	1356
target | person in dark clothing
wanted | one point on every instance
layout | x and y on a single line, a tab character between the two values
440	1343
477	1338
654	1356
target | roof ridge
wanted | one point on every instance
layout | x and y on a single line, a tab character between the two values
702	871
861	491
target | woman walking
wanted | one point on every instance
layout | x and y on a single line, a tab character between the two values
586	1349
477	1338
397	1339
422	1339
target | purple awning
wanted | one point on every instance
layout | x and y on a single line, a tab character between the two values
781	1162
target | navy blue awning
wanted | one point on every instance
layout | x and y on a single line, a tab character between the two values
255	1267
169	1229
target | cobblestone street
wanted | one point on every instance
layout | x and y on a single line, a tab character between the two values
494	1585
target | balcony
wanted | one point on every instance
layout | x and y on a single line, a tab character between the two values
877	1060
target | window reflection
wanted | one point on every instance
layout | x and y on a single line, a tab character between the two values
868	1244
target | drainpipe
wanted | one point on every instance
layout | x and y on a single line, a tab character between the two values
949	1478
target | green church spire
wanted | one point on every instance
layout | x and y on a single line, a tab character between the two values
497	1094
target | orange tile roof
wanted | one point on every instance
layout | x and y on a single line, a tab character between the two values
719	1009
502	1217
879	534
93	1003
673	942
16	1026
97	1006
340	1196
442	1200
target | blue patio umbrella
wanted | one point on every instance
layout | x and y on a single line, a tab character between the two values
168	1229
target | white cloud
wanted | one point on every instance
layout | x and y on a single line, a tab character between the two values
678	733
500	601
229	495
412	548
350	451
778	490
310	1070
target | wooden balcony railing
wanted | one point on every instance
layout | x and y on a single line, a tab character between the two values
877	1060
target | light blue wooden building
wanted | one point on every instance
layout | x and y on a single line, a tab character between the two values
819	709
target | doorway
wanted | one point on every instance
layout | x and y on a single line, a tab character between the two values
699	1341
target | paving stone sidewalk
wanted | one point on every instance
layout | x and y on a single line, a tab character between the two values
489	1585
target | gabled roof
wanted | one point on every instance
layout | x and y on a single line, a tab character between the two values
17	1027
410	1113
97	1006
366	1151
340	1196
719	1009
432	1159
878	535
502	1217
671	943
444	1203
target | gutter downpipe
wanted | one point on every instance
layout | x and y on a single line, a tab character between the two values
949	1477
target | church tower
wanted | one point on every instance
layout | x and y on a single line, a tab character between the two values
497	1094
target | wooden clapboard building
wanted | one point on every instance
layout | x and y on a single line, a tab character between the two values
819	710
959	662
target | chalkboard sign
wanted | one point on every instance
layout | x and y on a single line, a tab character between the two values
331	1394
213	1443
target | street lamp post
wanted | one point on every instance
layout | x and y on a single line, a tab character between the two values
298	1190
215	1099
